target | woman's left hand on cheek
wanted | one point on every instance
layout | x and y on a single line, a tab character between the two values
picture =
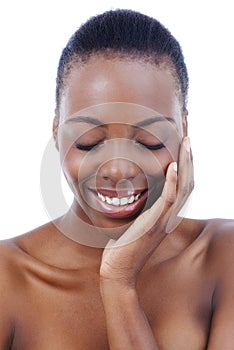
123	259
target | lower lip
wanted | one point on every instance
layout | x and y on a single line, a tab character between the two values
119	212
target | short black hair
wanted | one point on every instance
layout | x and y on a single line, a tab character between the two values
126	33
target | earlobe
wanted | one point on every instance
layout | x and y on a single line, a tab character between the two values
55	130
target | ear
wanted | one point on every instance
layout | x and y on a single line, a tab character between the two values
55	129
185	123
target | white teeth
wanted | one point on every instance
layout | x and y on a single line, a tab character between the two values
101	197
108	200
124	201
119	201
137	196
115	201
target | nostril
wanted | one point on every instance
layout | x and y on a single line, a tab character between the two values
118	169
130	178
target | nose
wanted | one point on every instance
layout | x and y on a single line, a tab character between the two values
117	170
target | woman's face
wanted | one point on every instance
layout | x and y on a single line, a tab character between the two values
120	125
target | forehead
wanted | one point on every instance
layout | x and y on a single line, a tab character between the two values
101	81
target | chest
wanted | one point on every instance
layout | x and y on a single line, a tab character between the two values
176	304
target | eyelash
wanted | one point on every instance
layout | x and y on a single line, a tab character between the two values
85	147
90	147
153	147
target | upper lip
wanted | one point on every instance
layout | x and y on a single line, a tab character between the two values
120	193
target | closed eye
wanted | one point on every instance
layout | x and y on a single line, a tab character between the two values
152	147
85	147
155	147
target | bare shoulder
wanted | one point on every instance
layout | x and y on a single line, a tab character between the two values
17	261
14	256
220	266
10	285
221	241
9	264
6	257
212	236
213	244
220	246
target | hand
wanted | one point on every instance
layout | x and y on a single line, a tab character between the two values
123	259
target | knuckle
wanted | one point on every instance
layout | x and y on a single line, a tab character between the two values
170	200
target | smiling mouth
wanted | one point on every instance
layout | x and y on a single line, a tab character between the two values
119	205
119	201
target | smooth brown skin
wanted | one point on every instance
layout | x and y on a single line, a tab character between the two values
52	293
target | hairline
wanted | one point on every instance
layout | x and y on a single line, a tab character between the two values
80	60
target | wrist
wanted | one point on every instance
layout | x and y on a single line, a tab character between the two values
121	283
120	289
116	299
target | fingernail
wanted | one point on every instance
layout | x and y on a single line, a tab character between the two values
187	144
175	166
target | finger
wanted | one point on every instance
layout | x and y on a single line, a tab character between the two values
185	183
147	221
185	173
160	209
169	190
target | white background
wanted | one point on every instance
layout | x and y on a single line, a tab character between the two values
32	35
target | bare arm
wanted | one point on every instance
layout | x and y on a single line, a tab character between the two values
127	325
222	325
6	332
6	323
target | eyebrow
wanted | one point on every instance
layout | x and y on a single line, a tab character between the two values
88	120
154	120
94	121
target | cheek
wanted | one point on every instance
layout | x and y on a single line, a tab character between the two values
70	163
78	166
163	158
172	150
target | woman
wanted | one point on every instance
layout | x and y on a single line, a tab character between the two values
121	269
